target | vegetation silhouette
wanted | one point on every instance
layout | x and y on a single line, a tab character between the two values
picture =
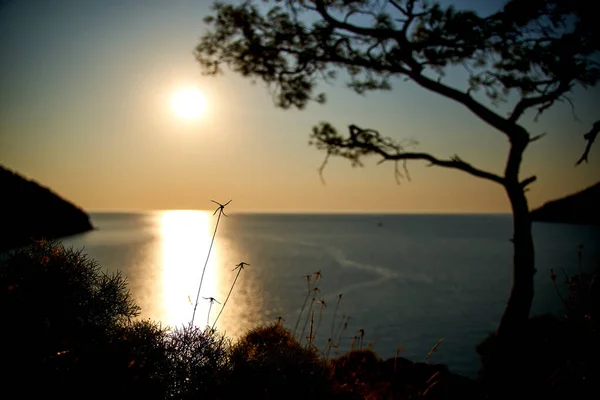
273	358
69	326
74	332
533	52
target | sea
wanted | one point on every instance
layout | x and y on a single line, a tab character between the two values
395	283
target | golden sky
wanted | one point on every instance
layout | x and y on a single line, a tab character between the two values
86	90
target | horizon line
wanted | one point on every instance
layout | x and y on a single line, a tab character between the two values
305	212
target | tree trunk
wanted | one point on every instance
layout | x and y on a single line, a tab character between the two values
507	372
518	307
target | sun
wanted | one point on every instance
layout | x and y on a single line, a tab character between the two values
188	103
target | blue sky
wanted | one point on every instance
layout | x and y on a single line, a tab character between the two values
84	109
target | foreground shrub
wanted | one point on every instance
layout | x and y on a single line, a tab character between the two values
198	363
70	329
268	362
130	363
61	294
361	374
56	303
558	357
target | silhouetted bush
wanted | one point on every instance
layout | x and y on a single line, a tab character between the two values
579	370
268	362
131	363
70	332
559	356
199	363
361	374
69	325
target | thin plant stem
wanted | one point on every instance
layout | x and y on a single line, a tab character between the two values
327	348
434	348
398	350
361	331
339	328
323	305
204	269
345	326
239	267
553	278
303	305
307	319
220	210
208	316
312	323
312	303
211	300
227	298
334	314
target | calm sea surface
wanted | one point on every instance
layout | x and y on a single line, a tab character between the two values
407	280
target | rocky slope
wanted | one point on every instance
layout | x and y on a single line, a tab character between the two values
30	211
579	208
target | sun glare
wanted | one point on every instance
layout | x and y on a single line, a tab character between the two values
185	242
188	103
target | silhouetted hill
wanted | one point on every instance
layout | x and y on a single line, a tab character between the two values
578	208
30	211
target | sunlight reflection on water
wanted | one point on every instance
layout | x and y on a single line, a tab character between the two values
185	241
185	238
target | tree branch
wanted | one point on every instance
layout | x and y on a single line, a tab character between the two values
363	142
590	137
506	126
547	99
455	163
398	7
528	181
379	33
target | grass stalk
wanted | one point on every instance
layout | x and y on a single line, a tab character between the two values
337	305
303	305
434	348
220	211
211	300
323	305
361	331
239	268
341	331
398	350
312	323
312	303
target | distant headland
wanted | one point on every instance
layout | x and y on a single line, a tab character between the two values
579	208
30	211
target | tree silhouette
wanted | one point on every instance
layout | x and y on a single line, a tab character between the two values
532	52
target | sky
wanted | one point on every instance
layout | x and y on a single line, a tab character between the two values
85	109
